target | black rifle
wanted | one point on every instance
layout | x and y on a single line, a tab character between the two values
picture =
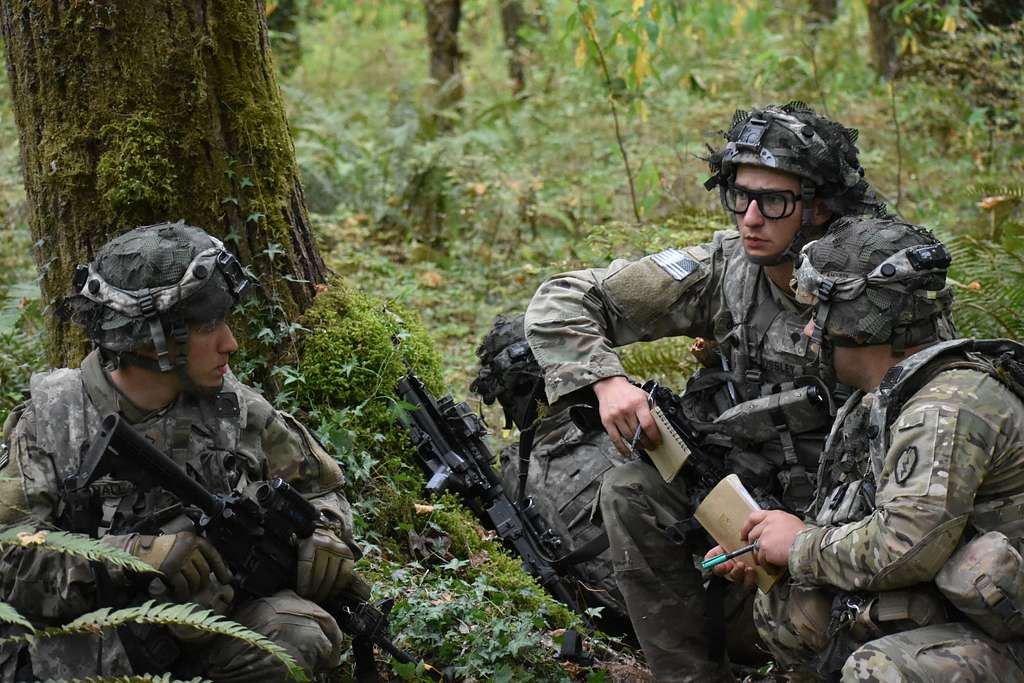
256	532
450	448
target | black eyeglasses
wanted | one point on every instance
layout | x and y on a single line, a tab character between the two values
771	203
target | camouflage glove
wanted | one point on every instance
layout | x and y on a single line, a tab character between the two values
186	561
326	568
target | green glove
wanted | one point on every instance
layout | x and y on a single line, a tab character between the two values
326	568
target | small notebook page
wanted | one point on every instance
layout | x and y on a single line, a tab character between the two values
670	456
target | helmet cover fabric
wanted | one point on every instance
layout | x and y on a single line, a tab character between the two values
878	281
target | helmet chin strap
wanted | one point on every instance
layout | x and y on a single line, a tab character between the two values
807	226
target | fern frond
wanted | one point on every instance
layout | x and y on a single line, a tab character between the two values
171	614
981	190
667	360
73	544
9	615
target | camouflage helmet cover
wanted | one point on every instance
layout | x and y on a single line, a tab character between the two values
877	281
794	139
509	373
151	283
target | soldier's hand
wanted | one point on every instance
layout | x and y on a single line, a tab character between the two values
775	532
185	559
623	407
735	570
326	567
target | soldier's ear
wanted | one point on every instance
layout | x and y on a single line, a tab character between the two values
822	214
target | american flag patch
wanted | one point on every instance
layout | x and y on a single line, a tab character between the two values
675	262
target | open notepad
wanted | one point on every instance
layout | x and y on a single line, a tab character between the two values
671	454
722	513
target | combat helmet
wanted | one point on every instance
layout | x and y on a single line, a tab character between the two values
509	373
150	285
876	281
792	138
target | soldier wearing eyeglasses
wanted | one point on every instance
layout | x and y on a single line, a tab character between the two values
785	174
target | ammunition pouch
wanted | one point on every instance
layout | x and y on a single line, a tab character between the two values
984	579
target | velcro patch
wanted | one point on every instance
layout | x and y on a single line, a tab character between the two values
676	263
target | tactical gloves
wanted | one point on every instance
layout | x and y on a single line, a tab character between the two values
326	567
186	561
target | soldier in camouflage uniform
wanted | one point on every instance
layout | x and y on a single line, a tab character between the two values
564	464
910	555
154	302
785	174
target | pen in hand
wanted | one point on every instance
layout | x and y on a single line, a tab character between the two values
719	559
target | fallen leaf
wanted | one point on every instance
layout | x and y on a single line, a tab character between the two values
993	202
431	278
38	538
422	509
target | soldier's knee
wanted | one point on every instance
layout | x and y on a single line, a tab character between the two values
630	484
873	664
301	627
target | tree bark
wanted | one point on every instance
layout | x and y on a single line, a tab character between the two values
443	18
132	113
883	37
512	20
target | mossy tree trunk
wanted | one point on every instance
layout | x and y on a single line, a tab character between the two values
132	113
443	18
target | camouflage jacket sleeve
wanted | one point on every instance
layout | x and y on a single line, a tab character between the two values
45	586
576	319
297	456
954	443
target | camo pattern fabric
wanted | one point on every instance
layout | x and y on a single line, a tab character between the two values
956	450
564	478
660	581
574	323
576	319
225	441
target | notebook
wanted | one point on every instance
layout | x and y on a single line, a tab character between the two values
722	513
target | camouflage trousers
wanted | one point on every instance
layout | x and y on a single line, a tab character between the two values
663	589
793	622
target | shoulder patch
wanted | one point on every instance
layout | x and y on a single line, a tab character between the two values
905	464
676	263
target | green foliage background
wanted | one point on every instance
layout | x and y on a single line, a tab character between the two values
436	233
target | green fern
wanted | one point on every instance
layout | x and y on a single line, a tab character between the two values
667	360
988	283
169	614
73	544
9	615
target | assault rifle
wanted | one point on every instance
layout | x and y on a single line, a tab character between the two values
256	532
451	451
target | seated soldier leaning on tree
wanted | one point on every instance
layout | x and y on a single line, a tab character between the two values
907	567
785	175
154	302
564	464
